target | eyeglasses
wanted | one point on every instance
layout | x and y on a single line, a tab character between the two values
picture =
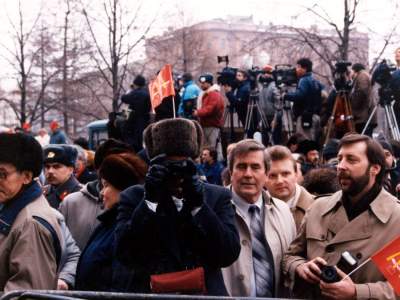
4	175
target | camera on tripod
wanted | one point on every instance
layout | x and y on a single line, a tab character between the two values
389	81
341	82
284	74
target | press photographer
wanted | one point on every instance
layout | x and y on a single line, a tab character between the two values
306	100
285	78
387	79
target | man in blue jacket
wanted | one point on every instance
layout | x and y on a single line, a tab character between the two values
307	101
175	222
189	97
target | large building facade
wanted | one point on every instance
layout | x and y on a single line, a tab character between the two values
195	48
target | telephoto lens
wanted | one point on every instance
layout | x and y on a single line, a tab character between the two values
329	274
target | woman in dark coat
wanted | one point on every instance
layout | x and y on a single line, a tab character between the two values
98	269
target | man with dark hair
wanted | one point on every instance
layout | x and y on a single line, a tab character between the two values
359	219
266	226
210	166
307	101
361	100
138	99
282	182
59	166
189	97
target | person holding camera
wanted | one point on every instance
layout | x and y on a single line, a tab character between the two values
138	99
345	229
176	231
307	100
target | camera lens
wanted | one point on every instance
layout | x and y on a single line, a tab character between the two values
329	274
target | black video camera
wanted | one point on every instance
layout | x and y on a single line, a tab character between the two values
341	82
284	74
342	66
389	79
253	76
227	77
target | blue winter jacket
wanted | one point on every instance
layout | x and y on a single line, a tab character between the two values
307	97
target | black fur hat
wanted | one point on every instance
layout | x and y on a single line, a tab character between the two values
180	137
123	170
22	151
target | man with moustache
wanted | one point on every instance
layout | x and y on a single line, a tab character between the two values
59	164
360	218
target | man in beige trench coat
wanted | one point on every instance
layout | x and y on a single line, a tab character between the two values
360	219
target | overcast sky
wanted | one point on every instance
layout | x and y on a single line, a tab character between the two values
375	17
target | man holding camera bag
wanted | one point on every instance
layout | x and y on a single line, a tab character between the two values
346	228
175	231
307	101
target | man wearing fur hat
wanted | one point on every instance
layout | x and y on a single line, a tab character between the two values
211	113
59	164
30	236
175	222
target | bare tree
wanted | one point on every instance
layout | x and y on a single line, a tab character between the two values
112	60
21	60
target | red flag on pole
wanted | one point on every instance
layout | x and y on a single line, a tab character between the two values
162	86
387	261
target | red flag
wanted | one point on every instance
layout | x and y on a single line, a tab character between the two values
162	86
387	261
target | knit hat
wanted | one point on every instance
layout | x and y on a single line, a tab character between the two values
206	78
139	81
123	170
54	125
22	151
62	154
268	69
179	137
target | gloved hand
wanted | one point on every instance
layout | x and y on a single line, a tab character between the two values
155	180
192	187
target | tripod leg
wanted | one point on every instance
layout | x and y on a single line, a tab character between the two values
369	120
394	126
330	122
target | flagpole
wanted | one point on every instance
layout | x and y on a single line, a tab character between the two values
356	269
173	106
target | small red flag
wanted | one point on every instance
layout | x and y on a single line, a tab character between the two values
162	86
387	261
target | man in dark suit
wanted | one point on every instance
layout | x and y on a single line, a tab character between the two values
175	222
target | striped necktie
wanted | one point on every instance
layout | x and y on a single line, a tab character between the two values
262	256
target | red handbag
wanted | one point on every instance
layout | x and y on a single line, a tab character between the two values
182	282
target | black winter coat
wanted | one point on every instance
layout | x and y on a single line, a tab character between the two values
139	117
98	268
167	240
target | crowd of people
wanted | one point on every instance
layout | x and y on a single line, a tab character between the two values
172	210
